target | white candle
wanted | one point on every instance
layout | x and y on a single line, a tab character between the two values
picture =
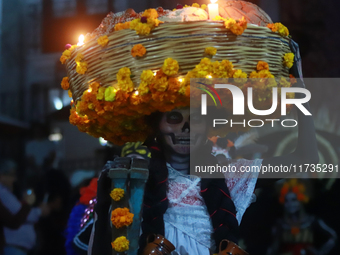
213	9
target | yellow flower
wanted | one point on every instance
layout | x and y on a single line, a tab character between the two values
120	244
66	55
109	94
196	5
79	58
121	217
101	93
143	29
239	76
138	50
203	6
279	28
235	27
143	88
117	194
134	23
65	84
81	67
147	76
153	22
170	67
284	83
124	81
288	59
146	79
103	40
210	51
150	13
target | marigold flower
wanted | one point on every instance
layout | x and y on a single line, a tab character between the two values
239	76
196	5
288	59
121	26
117	194
150	13
120	244
124	81
279	28
69	92
210	51
79	58
110	94
203	6
103	40
236	28
81	67
121	217
138	50
143	29
261	65
65	84
63	59
134	23
174	84
284	83
66	55
170	66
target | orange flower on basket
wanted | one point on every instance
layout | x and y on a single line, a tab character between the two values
138	50
121	217
64	83
103	40
261	65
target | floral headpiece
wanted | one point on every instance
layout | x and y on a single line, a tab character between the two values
136	64
294	186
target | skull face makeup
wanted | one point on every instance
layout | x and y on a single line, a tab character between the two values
292	204
183	130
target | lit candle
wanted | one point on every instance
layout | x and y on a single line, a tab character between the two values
81	40
213	9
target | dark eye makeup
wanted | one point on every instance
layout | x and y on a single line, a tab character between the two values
174	117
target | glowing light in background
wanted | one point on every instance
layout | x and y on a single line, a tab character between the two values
58	104
81	40
102	141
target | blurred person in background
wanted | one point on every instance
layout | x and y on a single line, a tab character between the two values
297	232
18	241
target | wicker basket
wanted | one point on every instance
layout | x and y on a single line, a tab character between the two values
182	41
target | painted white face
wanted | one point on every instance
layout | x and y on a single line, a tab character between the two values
183	130
292	204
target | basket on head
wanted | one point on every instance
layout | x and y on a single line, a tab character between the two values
134	65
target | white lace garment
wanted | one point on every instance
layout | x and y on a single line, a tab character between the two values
187	222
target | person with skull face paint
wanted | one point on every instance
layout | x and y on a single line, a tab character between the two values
194	213
298	232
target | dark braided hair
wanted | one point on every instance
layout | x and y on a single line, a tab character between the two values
214	192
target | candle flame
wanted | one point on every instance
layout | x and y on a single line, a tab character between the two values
81	40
